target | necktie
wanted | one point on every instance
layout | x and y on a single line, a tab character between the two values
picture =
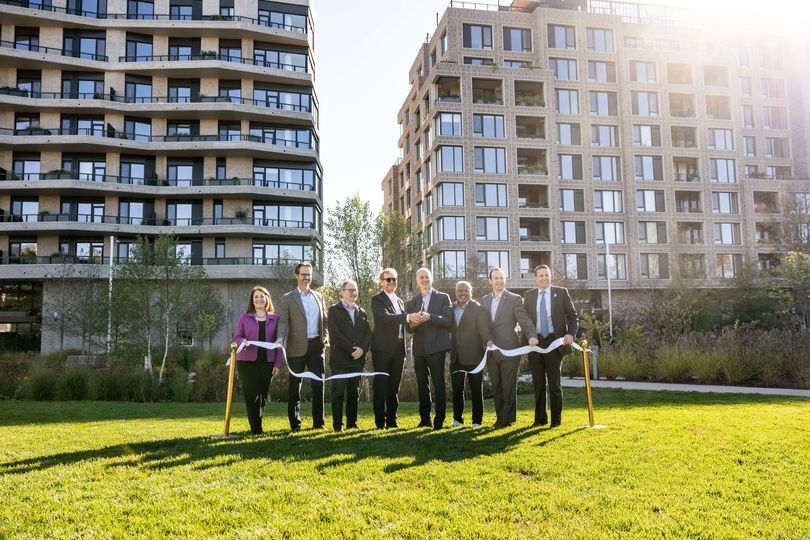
543	315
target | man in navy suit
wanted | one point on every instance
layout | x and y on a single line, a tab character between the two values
554	316
430	323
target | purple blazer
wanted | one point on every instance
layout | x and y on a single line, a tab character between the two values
247	328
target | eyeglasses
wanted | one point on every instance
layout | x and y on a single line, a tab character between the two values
390	279
350	290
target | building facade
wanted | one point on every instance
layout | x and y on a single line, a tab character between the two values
555	132
191	118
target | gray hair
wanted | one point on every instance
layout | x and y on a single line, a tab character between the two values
467	283
426	271
346	282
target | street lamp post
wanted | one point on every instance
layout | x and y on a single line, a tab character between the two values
610	296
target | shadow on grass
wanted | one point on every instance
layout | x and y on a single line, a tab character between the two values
406	447
621	398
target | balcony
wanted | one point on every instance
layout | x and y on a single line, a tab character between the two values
53	50
530	127
687	202
767	233
487	92
766	202
534	230
448	90
684	137
690	233
44	5
69	217
682	105
685	169
532	196
530	259
529	94
213	55
531	161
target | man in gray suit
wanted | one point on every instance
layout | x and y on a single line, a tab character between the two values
506	311
302	331
554	316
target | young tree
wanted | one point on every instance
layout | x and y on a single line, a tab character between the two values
77	302
794	282
205	312
401	249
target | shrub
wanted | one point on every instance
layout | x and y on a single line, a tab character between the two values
211	377
737	369
43	384
706	364
571	365
110	385
671	363
180	389
13	370
73	385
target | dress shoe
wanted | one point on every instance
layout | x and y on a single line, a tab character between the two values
456	423
353	426
319	427
539	424
555	424
392	425
498	424
339	429
424	424
438	427
293	429
476	425
380	426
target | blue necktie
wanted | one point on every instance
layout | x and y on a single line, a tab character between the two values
543	315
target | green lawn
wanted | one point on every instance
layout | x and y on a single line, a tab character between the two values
670	464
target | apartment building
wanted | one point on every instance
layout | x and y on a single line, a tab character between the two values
192	118
605	139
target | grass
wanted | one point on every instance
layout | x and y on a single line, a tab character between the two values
669	465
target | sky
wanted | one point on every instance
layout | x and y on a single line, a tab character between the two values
363	51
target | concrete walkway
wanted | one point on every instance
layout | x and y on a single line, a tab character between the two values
630	385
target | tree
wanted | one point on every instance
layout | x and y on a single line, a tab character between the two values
205	312
353	246
400	247
796	225
793	281
77	301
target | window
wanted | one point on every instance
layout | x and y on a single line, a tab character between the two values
568	134
723	171
564	69
26	39
645	103
606	168
87	168
84	211
490	160
561	37
487	125
138	89
453	264
448	125
139	47
600	40
25	209
774	118
516	64
649	168
140	9
616	263
599	71
575	265
567	101
471	61
652	232
491	228
25	167
607	136
646	136
272	253
180	12
573	232
749	143
139	129
802	202
285	60
715	75
724	202
451	194
491	259
648	200
450	159
22	251
728	265
727	233
692	265
451	228
776	148
490	195
572	200
745	86
604	104
643	72
477	37
84	44
443	43
130	212
747	116
607	201
570	166
773	88
721	139
285	21
609	231
633	42
517	39
654	265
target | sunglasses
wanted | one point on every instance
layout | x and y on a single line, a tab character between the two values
390	279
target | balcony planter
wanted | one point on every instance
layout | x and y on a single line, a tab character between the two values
693	178
57	174
208	54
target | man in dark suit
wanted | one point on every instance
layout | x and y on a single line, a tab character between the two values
506	311
430	324
302	331
350	339
388	349
470	333
553	316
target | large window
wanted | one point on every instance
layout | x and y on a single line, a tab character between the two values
487	125
570	166
646	136
617	265
602	135
490	195
269	254
575	265
561	37
723	171
517	39
652	232
451	228
564	69
650	200
645	103
572	200
604	104
724	202
285	21
721	139
573	232
606	168
643	72
448	125
728	265
600	40
649	168
654	265
286	60
450	159
492	259
727	233
568	134
25	167
490	160
140	9
452	264
567	101
600	71
611	232
477	37
491	228
607	201
451	194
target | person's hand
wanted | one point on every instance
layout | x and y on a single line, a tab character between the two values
357	353
568	339
275	370
533	342
280	341
425	316
490	344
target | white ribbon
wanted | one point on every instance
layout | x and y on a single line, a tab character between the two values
304	374
518	352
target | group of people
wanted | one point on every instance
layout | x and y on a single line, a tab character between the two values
466	329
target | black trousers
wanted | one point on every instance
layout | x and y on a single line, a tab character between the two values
347	390
546	367
476	382
255	377
386	388
311	361
430	365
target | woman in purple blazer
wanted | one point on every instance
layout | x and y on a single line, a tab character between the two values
257	365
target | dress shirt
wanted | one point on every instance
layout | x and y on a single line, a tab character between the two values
351	309
394	302
458	312
312	312
547	299
493	309
426	300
